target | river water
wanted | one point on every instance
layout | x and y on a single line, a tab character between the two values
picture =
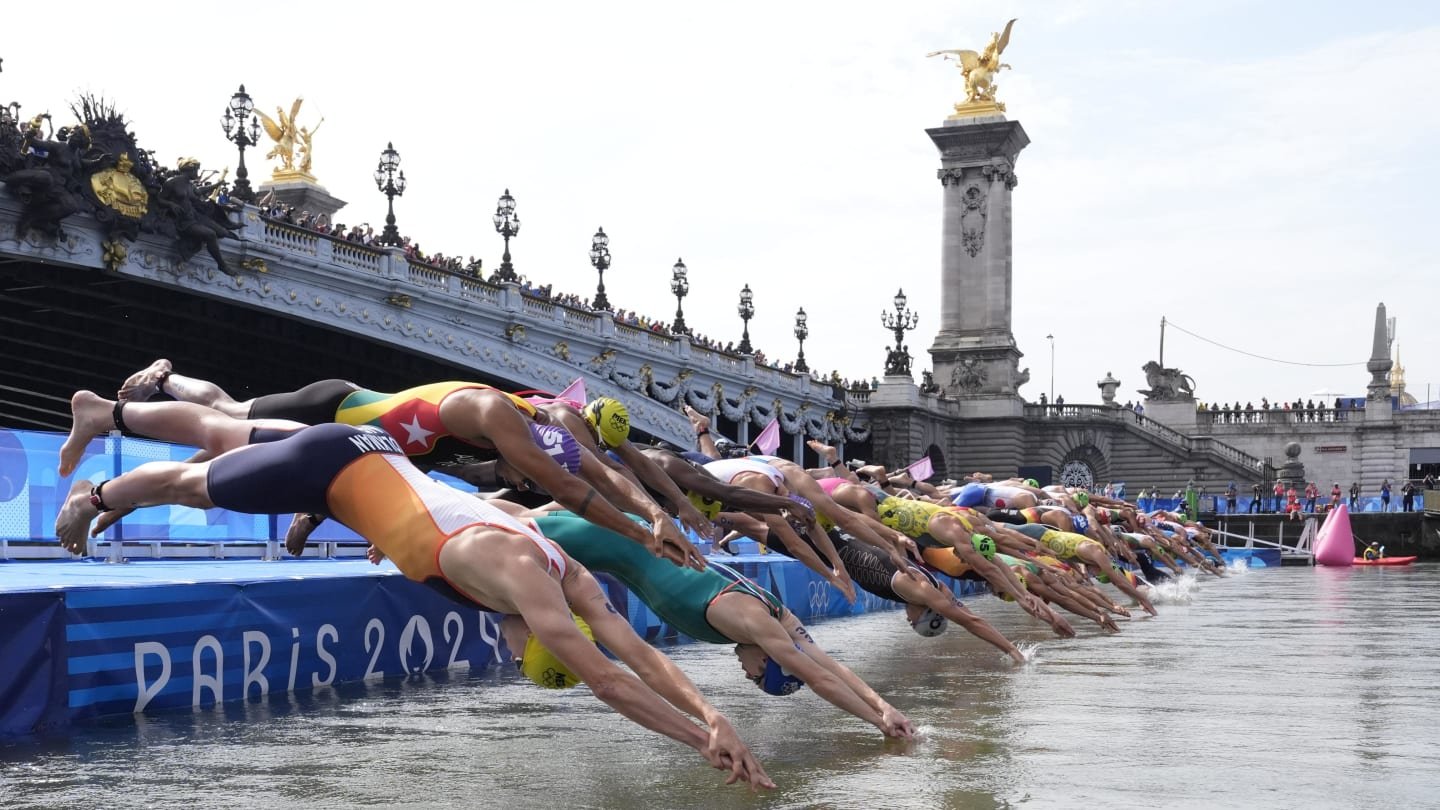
1273	688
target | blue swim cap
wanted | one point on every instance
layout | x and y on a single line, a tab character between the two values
776	681
1080	522
972	494
559	445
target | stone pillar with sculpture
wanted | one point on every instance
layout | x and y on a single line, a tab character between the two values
1170	399
1107	387
293	181
974	354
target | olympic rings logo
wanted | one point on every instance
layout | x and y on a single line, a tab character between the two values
819	599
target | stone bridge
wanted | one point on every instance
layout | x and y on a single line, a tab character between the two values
80	312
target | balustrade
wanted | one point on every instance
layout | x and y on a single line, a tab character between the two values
477	290
291	238
537	306
358	256
427	275
644	337
1282	417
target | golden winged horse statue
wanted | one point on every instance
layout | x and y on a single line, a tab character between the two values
283	133
980	68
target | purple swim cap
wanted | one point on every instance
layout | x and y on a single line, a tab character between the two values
559	445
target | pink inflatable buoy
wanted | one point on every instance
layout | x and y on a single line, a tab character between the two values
1335	543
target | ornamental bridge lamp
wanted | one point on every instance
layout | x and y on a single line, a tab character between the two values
390	180
801	332
902	320
507	224
242	128
680	286
747	311
600	260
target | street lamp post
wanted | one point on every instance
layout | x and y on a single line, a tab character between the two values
600	258
1051	338
391	182
897	360
242	128
680	286
801	332
507	224
747	311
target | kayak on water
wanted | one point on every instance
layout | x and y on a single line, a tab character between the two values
1386	561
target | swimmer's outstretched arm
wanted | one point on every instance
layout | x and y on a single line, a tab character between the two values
892	722
624	492
740	499
743	618
530	591
660	674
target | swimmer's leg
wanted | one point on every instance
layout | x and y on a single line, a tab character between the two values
145	383
158	482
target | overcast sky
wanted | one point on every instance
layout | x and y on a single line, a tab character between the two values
1260	173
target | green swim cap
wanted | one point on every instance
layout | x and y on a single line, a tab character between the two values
984	545
1031	482
1082	498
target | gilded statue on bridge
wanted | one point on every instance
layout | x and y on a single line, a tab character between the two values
980	69
287	135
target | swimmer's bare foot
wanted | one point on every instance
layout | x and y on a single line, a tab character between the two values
299	533
824	451
108	519
73	522
91	416
145	383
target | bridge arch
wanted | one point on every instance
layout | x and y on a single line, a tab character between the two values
1084	466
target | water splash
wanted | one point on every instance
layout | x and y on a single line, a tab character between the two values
1028	649
1238	567
1176	590
922	733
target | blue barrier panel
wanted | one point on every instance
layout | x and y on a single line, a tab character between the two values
137	649
32	656
156	635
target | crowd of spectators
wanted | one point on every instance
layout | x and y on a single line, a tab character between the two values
1303	410
364	234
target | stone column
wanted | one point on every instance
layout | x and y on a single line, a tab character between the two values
974	354
1377	393
301	192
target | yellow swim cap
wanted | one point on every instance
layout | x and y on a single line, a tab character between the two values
1024	583
609	419
541	666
